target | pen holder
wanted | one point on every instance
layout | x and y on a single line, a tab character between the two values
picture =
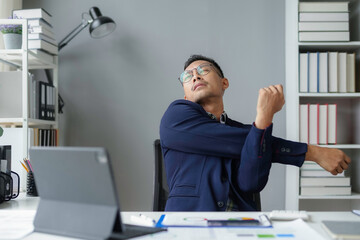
30	185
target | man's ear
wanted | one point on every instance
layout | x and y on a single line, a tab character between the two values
225	83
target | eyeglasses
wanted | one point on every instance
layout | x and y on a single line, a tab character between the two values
202	70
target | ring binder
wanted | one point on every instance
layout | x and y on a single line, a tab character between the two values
9	186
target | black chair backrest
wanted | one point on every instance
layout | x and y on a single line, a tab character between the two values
257	201
161	189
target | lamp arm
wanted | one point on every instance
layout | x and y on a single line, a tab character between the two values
72	34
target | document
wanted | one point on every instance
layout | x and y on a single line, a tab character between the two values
16	224
175	220
289	230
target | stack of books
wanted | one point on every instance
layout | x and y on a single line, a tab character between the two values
318	123
41	37
324	21
315	181
327	72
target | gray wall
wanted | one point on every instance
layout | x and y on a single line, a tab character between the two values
117	88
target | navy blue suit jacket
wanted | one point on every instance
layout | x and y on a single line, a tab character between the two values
204	157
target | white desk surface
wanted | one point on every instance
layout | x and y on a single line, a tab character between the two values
30	203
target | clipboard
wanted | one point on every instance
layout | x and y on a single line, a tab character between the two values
169	220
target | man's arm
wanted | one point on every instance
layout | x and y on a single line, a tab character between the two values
270	101
331	159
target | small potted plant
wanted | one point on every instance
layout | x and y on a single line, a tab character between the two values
12	35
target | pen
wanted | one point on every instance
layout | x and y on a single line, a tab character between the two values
24	166
28	161
264	219
27	165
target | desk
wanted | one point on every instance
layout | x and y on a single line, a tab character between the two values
30	203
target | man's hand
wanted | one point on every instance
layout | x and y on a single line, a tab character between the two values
331	159
270	101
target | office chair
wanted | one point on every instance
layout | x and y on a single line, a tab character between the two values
161	189
257	201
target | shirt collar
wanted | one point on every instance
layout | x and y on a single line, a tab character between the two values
223	117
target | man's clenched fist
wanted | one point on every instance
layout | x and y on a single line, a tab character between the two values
270	101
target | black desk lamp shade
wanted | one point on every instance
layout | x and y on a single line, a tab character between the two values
101	25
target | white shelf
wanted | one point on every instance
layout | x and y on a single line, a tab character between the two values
18	122
347	116
25	59
352	196
323	46
342	146
14	57
330	95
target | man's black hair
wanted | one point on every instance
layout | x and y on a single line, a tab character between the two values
196	57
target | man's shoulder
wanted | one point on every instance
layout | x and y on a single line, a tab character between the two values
183	102
184	105
182	109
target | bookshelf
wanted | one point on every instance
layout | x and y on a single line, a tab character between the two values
24	60
348	126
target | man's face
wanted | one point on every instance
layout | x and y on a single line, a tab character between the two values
202	88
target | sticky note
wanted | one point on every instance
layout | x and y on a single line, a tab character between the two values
266	236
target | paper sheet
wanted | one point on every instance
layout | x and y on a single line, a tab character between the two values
16	224
292	230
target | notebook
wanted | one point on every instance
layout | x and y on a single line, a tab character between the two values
342	229
78	197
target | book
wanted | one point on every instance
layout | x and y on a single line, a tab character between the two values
48	39
342	229
304	123
350	72
323	72
323	6
33	14
342	72
43	31
333	71
40	29
324	36
303	72
319	173
324	181
323	26
323	124
38	22
313	72
332	124
314	124
311	166
323	17
325	191
43	45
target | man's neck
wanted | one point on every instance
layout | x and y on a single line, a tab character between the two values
216	108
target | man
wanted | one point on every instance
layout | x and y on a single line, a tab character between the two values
214	163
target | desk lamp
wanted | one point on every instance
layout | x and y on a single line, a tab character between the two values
100	26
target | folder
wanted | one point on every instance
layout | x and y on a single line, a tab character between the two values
342	229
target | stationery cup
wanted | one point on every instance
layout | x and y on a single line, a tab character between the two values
30	185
